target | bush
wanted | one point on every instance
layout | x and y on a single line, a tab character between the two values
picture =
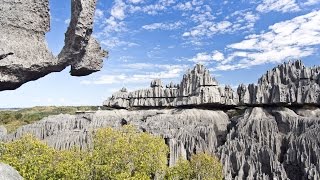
33	159
117	154
30	157
201	167
128	154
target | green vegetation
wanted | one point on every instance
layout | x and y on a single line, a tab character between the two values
117	154
14	119
201	167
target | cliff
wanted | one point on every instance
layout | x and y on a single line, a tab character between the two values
24	55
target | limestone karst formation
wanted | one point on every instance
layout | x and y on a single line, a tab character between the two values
288	84
260	131
24	55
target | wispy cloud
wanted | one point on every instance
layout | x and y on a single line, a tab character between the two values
112	42
311	2
278	5
163	26
295	38
165	72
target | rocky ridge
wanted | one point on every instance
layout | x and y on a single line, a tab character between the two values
196	88
289	84
24	55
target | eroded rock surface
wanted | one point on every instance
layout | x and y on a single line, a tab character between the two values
8	173
185	131
196	88
24	55
289	84
261	143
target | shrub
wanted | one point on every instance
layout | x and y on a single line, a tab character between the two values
116	155
33	159
128	154
201	167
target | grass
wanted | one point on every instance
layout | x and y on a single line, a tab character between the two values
14	119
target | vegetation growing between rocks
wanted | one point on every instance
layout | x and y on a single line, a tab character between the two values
14	119
117	154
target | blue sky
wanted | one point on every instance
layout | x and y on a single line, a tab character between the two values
146	39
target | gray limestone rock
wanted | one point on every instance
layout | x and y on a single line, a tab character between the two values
272	143
185	131
197	88
289	84
24	55
8	173
3	131
262	143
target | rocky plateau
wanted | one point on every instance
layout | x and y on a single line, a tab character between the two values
269	130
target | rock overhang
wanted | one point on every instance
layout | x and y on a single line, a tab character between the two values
24	55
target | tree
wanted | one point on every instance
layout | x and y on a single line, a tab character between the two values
128	154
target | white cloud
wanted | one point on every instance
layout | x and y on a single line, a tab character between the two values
204	57
67	21
217	56
113	42
208	28
135	1
187	6
112	25
278	5
295	38
98	14
118	10
311	2
152	9
163	26
168	72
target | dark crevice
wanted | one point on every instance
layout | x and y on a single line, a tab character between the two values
2	56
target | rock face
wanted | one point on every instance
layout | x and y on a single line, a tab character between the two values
8	173
273	143
24	55
202	129
261	143
3	131
196	88
289	84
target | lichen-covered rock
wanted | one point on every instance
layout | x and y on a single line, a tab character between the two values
24	55
8	173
